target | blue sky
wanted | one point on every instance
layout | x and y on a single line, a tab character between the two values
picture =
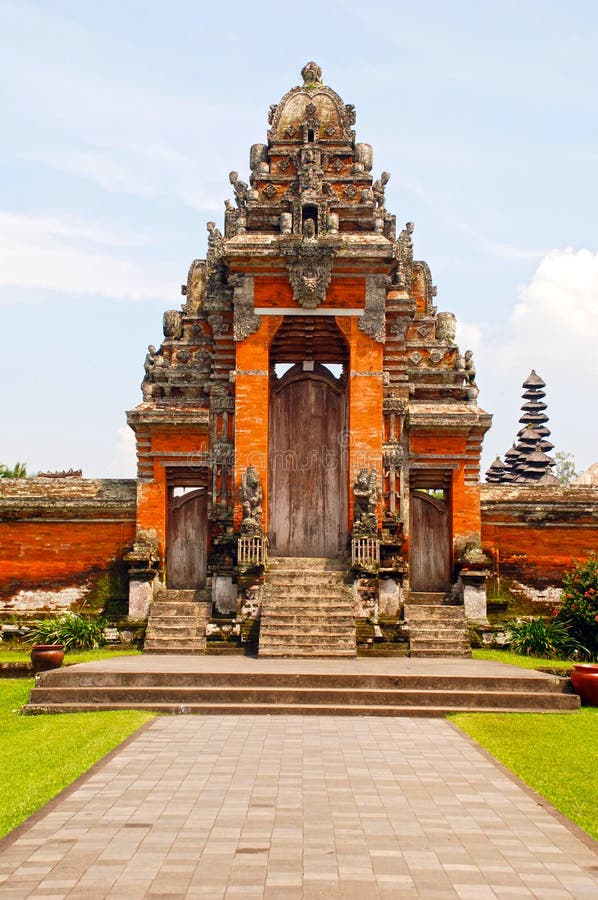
121	120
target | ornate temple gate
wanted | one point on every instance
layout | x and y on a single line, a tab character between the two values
308	468
430	542
186	563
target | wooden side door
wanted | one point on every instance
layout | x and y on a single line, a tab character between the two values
186	549
430	543
308	480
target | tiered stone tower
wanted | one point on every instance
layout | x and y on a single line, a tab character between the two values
528	462
308	396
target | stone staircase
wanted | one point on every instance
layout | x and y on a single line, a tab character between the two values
348	687
436	628
177	623
307	610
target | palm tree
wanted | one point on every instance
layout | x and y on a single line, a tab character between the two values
19	470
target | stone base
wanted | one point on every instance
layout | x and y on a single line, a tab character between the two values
140	598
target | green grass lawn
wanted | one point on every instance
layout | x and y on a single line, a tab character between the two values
21	654
556	755
526	662
41	755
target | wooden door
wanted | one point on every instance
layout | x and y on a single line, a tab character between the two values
429	541
186	550
308	471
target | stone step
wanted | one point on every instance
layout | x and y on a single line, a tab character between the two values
440	654
156	629
448	644
160	609
83	676
289	563
425	597
422	613
293	595
304	580
171	595
315	626
299	695
279	709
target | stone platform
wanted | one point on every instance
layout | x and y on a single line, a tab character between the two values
247	685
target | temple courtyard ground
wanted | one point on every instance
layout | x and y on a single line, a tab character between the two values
298	806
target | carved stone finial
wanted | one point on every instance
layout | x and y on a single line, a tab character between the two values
311	74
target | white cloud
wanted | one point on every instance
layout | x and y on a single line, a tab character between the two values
554	329
469	336
558	309
70	256
124	460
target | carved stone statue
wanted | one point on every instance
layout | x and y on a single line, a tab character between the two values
214	236
378	189
469	367
251	503
365	500
309	230
150	362
240	189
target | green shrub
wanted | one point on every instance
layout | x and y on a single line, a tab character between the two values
537	637
72	630
579	610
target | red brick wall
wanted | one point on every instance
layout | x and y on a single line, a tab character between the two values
60	540
534	534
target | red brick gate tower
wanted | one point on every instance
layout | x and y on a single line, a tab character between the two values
308	392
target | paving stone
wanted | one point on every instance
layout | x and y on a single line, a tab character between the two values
313	807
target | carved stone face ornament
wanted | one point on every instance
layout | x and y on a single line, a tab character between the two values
310	270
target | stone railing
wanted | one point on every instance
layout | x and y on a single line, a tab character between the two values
251	551
365	552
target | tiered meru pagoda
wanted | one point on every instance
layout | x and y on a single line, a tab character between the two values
528	461
308	399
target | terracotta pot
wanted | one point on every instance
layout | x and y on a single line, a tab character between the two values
584	679
46	656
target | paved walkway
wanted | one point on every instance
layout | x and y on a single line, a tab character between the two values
289	807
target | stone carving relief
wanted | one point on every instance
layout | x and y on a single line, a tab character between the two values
309	264
245	321
251	503
373	322
171	324
365	501
400	327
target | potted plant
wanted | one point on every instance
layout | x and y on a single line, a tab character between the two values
46	656
71	631
584	679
